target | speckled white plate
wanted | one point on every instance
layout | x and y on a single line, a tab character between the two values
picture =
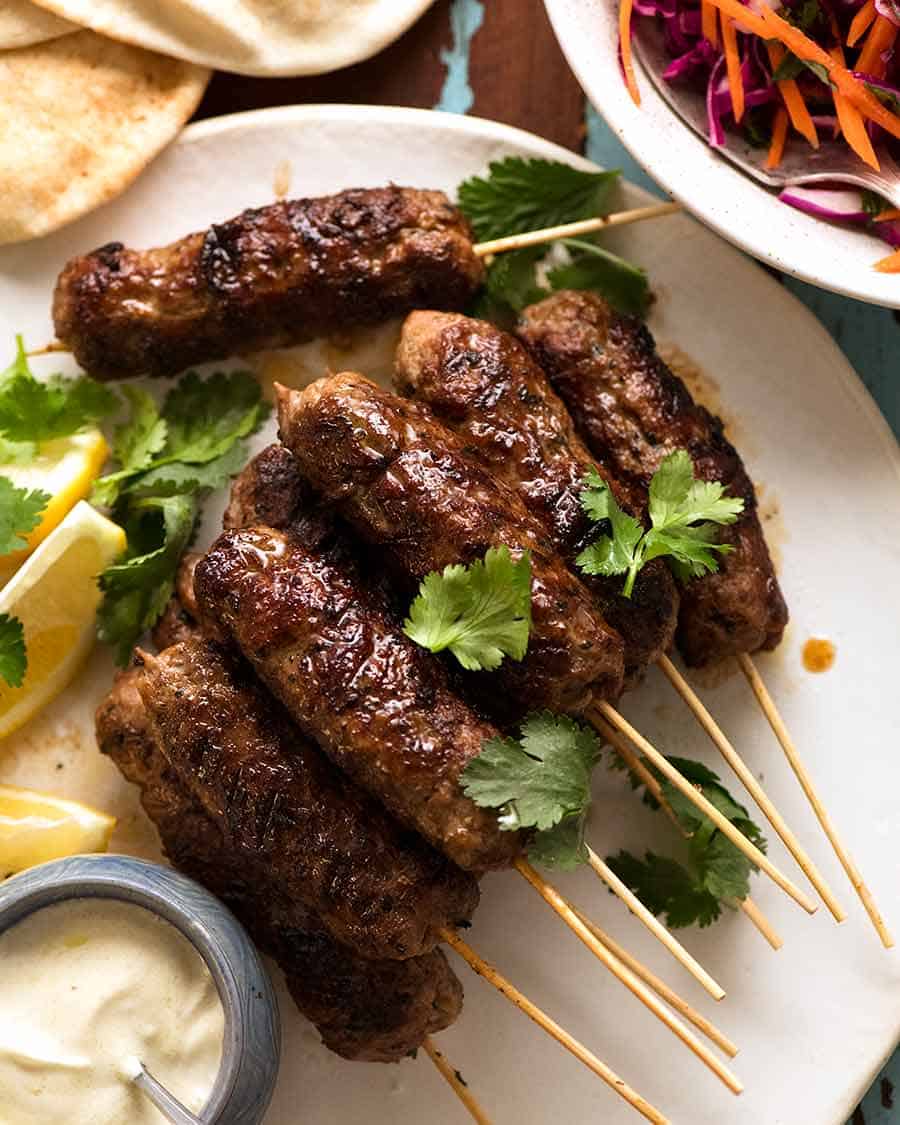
740	209
815	1021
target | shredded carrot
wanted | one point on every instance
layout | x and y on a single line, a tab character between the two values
888	216
779	137
879	40
710	22
733	66
793	99
852	122
861	22
890	264
855	91
625	9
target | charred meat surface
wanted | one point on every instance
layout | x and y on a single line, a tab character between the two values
379	889
484	385
328	647
377	1011
403	481
271	277
633	411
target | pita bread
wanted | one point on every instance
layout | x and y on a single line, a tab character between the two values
263	37
82	116
22	23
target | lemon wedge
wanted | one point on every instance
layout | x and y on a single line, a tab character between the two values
55	596
65	468
38	827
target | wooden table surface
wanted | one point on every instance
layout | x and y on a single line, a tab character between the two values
499	59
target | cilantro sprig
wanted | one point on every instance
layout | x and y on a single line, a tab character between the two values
33	410
715	873
541	781
519	195
684	514
169	458
12	650
480	612
20	512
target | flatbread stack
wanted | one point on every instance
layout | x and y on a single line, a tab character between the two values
92	90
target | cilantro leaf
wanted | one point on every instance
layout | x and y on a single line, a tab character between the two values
31	410
624	285
716	871
684	513
791	66
17	452
20	512
138	585
667	888
169	459
510	284
12	650
480	612
135	443
562	846
539	781
205	417
519	195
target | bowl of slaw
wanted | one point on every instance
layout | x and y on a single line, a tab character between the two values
773	76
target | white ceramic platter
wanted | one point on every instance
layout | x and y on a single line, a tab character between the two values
741	210
815	1021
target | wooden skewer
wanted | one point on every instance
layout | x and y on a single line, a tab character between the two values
752	785
660	987
801	773
665	767
521	1001
654	925
455	1081
573	230
53	346
634	763
625	976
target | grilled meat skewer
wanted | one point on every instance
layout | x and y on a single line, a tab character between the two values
379	889
405	483
378	1011
482	384
331	649
271	277
633	411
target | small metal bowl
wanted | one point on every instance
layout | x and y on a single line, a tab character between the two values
252	1043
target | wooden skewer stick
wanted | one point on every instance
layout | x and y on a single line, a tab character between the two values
521	1001
625	976
752	785
455	1082
660	987
53	346
634	763
801	773
573	230
681	783
654	925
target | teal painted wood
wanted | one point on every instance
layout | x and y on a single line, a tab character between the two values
869	337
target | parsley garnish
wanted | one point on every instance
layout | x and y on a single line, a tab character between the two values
519	195
34	411
716	870
480	612
12	650
20	512
169	459
684	513
541	781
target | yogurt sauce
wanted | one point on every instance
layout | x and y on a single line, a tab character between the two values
88	986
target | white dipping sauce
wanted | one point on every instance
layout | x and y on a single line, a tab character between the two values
87	987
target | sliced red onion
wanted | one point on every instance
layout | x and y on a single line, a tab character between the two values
713	115
837	204
890	9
